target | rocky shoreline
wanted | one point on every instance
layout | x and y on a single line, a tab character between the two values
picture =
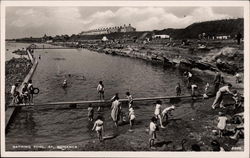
228	58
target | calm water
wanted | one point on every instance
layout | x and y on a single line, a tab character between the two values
50	125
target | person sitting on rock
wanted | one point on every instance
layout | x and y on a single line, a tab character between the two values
239	130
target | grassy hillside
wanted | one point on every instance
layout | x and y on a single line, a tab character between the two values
211	28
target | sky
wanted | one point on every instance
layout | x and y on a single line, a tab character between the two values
37	21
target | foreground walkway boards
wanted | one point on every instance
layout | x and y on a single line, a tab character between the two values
108	101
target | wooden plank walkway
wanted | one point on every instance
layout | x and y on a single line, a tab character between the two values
105	101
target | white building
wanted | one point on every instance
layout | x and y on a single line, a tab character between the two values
161	36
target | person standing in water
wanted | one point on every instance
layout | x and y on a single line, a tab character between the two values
178	89
158	112
152	131
100	90
64	83
131	117
90	112
217	81
130	99
194	88
116	110
98	126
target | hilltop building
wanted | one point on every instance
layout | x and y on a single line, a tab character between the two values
109	30
163	36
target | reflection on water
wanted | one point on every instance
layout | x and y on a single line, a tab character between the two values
83	69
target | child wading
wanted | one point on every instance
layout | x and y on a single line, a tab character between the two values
90	112
100	90
98	126
130	99
222	123
152	131
178	89
158	112
131	117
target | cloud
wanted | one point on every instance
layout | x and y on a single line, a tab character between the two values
152	17
35	21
